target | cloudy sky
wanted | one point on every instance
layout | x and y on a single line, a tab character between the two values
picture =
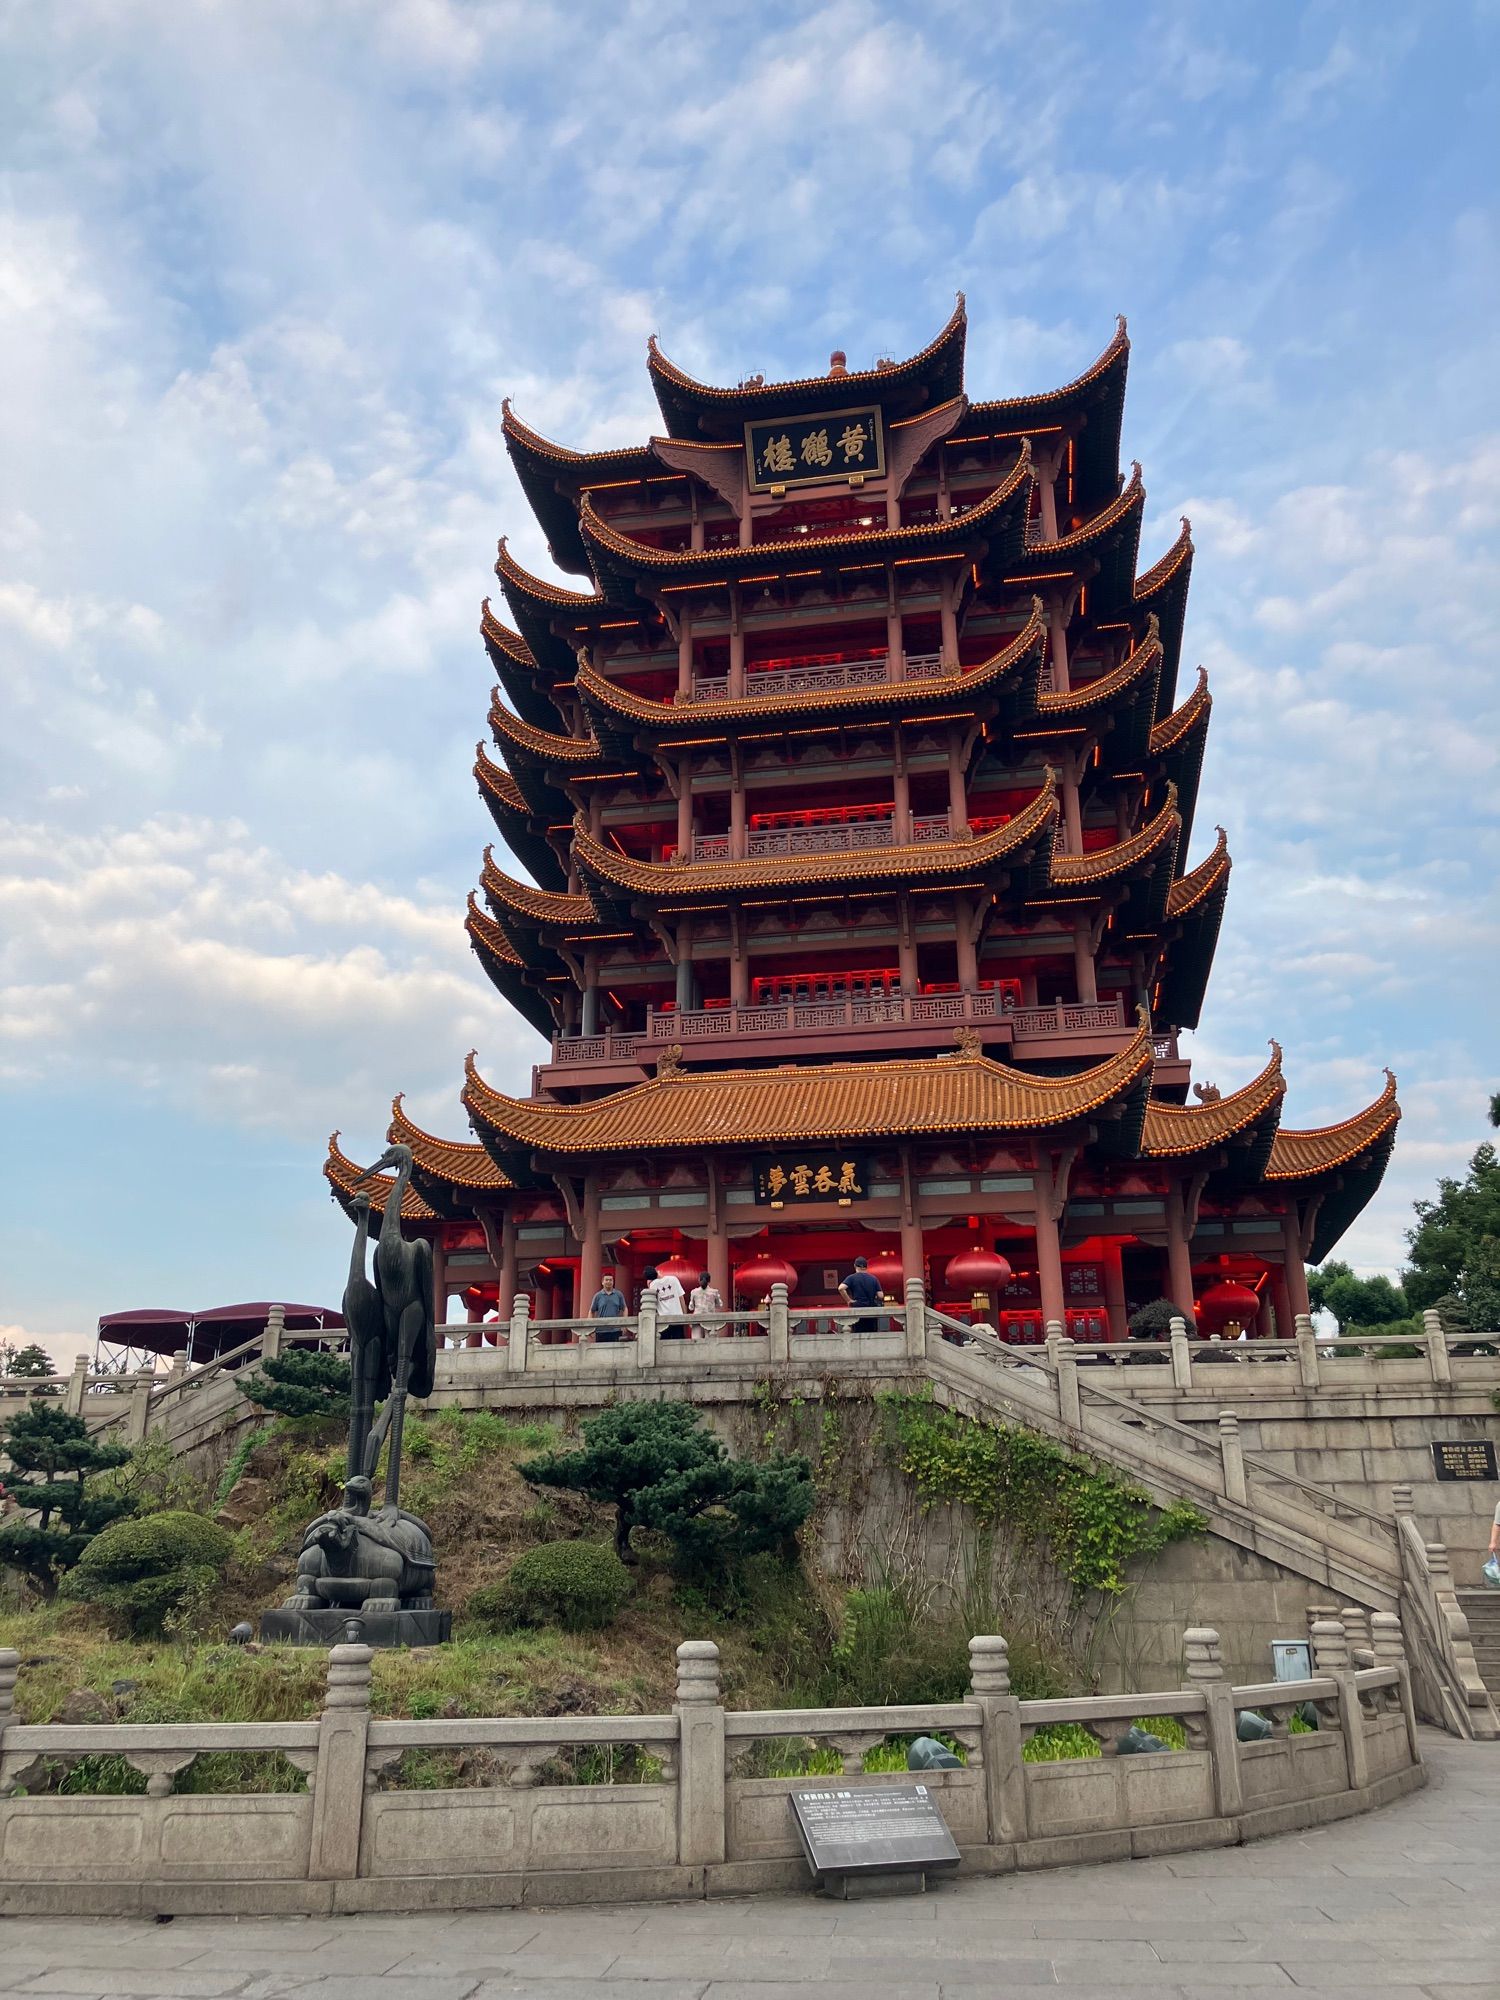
267	268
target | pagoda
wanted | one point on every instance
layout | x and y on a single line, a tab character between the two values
853	782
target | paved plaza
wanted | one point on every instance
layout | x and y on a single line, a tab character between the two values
1402	1905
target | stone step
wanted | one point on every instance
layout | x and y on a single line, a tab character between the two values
1482	1609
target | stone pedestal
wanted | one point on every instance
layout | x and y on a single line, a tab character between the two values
377	1628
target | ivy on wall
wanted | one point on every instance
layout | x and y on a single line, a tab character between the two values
1093	1522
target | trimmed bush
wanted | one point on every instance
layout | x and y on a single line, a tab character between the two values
143	1571
577	1585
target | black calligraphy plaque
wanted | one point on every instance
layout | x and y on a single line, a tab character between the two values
783	1179
806	451
1464	1458
872	1829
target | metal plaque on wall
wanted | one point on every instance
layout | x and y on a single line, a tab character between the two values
1464	1458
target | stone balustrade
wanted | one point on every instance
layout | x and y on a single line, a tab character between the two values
688	1803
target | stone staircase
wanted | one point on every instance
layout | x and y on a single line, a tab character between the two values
1482	1609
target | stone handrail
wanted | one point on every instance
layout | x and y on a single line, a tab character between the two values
690	1815
1443	1655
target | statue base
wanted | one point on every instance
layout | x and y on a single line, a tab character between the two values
330	1627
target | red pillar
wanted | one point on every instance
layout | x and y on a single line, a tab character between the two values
1114	1290
1291	1255
1179	1255
1049	1266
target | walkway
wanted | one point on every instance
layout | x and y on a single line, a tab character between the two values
1404	1905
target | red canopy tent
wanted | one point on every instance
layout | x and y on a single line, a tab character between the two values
135	1339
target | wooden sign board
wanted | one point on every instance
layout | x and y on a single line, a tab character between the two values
870	1830
1464	1458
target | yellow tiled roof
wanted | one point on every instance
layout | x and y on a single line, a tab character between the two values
495	633
1134	496
1116	350
453	1160
1298	1155
510	571
658	363
853	1102
347	1179
484	930
595	688
554	907
1171	562
1070	871
938	859
1099	693
797	547
1175	1130
549	746
497	781
1183	720
1189	891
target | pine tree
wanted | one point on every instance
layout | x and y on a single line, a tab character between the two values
302	1382
660	1467
54	1457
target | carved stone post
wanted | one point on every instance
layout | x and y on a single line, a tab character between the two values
700	1760
275	1333
778	1328
1182	1360
77	1383
1205	1674
10	1666
1356	1623
138	1416
1069	1404
916	1319
1330	1649
645	1333
1437	1346
1307	1351
1390	1651
339	1780
1233	1457
1000	1737
515	1353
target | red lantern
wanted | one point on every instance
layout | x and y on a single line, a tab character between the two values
755	1277
1227	1302
677	1266
888	1271
977	1270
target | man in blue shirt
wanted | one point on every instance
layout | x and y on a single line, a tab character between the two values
609	1303
862	1288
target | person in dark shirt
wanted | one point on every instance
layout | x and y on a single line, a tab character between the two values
609	1303
862	1288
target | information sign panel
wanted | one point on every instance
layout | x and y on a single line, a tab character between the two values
872	1829
1291	1659
1464	1458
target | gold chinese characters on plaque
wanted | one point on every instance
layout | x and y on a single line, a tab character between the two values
783	1179
807	451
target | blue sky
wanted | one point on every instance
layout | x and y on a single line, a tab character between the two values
266	271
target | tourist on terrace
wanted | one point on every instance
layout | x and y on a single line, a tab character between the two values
704	1301
609	1303
862	1288
671	1307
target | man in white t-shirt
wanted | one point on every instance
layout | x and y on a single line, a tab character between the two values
671	1304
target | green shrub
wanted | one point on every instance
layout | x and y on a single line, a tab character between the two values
577	1585
144	1571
